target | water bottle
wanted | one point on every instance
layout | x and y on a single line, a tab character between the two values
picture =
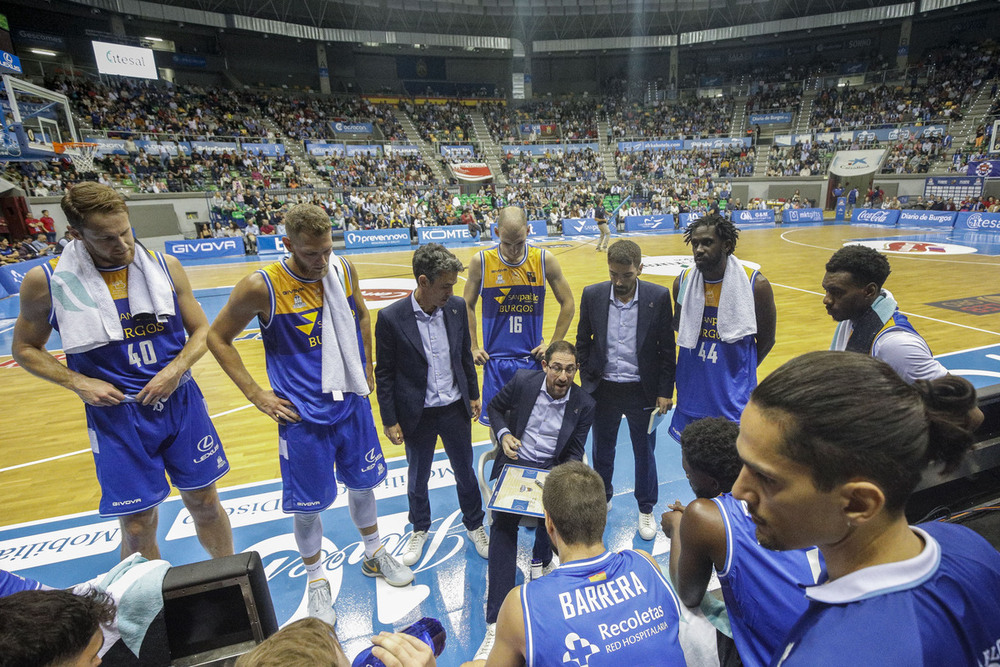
428	630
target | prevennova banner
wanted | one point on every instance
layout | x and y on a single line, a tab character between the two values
758	217
198	248
580	227
109	146
875	216
944	219
852	163
802	215
770	118
649	223
978	222
444	234
376	238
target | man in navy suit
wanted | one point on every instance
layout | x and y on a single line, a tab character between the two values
427	388
625	343
541	419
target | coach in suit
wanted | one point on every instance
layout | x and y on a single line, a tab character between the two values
625	344
541	419
427	388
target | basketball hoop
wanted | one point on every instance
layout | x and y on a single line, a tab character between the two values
81	153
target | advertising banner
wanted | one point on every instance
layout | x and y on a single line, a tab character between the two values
445	235
943	219
718	142
753	218
580	227
985	169
661	145
122	60
551	149
401	149
688	218
109	146
977	221
376	238
341	127
802	215
265	149
10	63
270	244
841	210
372	149
649	223
187	60
159	147
198	248
11	275
851	163
536	228
875	216
471	171
770	118
214	146
321	149
464	150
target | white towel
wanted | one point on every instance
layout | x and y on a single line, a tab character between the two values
737	317
342	367
884	306
83	305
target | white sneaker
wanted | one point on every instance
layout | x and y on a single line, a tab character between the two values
484	649
321	602
382	564
647	526
609	507
414	547
481	540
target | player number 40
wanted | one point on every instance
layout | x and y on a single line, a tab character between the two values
708	355
145	356
515	324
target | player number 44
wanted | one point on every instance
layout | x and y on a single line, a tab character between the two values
515	324
145	356
708	355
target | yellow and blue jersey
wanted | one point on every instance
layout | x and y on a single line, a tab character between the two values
147	347
513	298
293	339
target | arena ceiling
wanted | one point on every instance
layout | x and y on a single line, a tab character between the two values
527	19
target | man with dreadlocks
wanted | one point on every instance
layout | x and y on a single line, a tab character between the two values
725	321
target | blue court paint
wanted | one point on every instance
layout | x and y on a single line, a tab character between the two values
980	366
450	579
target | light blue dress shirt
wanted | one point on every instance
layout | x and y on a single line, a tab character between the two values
541	433
442	389
623	354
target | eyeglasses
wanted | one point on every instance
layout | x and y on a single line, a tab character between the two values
559	370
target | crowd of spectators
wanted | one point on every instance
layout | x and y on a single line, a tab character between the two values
775	97
694	163
367	170
311	118
688	118
914	156
574	120
585	166
804	158
441	123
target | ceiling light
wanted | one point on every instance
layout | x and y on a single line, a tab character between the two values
43	52
153	39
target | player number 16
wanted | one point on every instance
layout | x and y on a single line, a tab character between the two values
515	324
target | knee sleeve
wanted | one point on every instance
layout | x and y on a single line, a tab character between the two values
308	529
362	506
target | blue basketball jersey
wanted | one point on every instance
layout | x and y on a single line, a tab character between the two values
11	583
941	607
715	378
293	336
763	589
513	299
613	609
148	346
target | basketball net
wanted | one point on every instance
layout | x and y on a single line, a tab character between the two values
82	154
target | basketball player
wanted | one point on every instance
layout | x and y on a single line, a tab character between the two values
145	414
317	431
717	361
511	279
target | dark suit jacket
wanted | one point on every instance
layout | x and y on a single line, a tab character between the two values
654	338
401	368
511	408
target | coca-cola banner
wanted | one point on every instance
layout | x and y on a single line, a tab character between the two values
977	221
875	216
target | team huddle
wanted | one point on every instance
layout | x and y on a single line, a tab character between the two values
800	481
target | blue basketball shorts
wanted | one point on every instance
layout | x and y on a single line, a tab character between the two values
135	444
309	454
496	373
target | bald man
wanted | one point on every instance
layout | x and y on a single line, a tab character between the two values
511	278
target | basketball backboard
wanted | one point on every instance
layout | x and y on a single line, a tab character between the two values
34	118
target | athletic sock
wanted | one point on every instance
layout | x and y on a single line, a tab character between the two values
314	572
372	544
